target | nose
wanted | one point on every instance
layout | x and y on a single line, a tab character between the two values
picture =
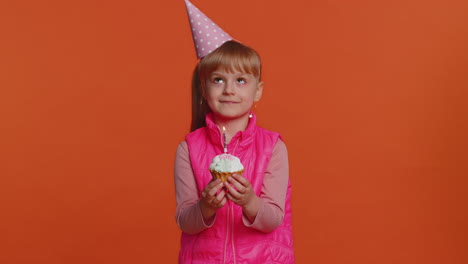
229	88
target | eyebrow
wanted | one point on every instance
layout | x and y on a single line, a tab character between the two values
237	74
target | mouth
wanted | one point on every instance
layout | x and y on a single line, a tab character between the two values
228	102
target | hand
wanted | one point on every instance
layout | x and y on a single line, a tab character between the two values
211	201
241	193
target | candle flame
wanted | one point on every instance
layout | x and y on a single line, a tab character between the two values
224	129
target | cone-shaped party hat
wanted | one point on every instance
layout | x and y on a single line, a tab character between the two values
207	36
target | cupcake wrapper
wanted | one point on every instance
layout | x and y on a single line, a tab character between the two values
224	175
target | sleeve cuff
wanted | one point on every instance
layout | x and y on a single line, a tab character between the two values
206	224
255	223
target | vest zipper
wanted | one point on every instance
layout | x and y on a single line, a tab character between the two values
227	235
232	235
230	216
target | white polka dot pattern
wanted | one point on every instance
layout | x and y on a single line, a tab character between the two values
207	36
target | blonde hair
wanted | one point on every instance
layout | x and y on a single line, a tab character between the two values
229	57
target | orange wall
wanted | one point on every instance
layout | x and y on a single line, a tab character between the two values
370	97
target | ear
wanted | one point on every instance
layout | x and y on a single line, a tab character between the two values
259	91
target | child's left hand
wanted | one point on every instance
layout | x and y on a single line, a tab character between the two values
241	193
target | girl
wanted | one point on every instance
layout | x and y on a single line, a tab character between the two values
248	218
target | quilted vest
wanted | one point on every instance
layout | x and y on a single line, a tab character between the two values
229	240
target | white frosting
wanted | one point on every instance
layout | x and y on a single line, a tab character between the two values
226	163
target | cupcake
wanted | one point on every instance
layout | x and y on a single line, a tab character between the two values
225	165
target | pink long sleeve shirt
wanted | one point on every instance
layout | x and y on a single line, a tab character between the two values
272	197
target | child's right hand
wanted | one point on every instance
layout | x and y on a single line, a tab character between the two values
211	201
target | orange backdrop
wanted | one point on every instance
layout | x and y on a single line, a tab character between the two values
370	97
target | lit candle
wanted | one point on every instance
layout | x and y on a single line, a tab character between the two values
224	140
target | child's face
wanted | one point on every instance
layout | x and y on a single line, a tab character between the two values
230	95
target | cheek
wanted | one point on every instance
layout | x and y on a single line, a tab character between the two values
210	92
251	95
211	96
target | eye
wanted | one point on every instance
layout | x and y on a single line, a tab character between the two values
218	80
241	80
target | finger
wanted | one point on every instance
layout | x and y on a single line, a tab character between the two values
231	191
216	201
232	198
210	186
223	202
220	199
215	189
221	195
205	193
241	180
239	187
213	183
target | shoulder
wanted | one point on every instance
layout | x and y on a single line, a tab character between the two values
280	146
264	130
268	133
196	135
198	131
182	148
273	135
279	156
279	150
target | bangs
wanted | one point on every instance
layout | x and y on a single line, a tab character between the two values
230	57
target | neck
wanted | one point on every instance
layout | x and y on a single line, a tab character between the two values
232	125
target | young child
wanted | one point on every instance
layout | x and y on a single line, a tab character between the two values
246	219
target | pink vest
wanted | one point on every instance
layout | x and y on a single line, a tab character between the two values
229	240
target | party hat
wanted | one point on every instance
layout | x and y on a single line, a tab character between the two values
207	36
